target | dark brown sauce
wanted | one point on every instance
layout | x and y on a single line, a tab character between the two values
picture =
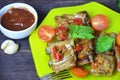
17	19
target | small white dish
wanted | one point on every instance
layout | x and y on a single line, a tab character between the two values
21	33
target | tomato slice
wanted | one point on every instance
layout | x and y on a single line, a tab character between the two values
100	22
118	39
79	72
46	33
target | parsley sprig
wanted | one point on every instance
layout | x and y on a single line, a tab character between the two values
104	43
83	32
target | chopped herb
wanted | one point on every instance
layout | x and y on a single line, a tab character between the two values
104	43
83	32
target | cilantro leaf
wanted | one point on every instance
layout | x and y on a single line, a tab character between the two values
83	32
104	43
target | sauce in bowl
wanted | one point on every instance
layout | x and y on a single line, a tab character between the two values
17	19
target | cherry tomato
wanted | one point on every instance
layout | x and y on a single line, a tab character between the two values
78	21
100	22
46	33
118	39
79	72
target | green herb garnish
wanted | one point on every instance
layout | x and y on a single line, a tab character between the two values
104	43
83	32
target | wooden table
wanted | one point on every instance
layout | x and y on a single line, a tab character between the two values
20	66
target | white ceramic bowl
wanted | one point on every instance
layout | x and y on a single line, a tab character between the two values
22	33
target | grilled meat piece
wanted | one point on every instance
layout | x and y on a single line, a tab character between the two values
117	54
61	55
85	55
84	16
63	22
104	64
67	19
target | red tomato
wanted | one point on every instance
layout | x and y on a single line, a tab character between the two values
61	33
78	21
46	33
56	54
100	22
79	72
78	47
118	39
60	29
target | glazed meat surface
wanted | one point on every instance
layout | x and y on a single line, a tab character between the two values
85	55
103	65
61	55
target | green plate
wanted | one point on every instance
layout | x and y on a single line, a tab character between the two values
38	47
